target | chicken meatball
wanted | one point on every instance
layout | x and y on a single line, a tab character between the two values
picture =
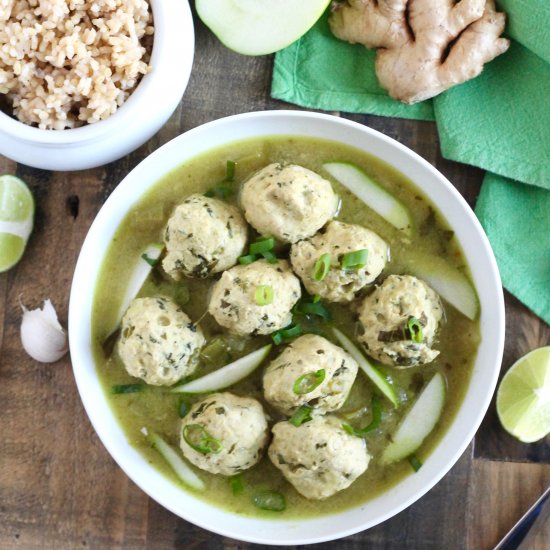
338	284
255	298
158	341
224	434
400	319
288	202
310	371
319	458
203	236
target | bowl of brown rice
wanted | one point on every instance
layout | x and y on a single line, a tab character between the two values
85	82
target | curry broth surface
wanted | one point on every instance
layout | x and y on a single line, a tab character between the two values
157	408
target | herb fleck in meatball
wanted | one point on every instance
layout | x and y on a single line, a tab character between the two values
288	202
224	434
203	236
158	341
319	458
400	319
338	284
236	300
310	371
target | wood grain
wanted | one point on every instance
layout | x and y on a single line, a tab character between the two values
59	489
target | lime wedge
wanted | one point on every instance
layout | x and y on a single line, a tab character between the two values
16	219
523	398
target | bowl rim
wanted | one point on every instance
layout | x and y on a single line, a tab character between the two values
149	88
484	273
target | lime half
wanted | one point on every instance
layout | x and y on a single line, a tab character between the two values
16	219
523	398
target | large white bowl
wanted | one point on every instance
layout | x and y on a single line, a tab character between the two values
480	259
138	119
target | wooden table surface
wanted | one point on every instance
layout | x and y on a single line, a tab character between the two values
60	489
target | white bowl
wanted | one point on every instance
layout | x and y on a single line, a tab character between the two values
137	120
476	249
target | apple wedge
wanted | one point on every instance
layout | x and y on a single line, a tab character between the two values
259	27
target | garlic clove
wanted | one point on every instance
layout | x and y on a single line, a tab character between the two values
42	336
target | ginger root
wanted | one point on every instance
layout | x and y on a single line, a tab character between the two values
424	46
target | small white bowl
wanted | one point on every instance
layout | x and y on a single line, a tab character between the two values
485	372
137	120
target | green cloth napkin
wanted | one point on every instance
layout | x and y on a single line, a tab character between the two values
499	121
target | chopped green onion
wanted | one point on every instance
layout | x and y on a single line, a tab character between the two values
355	260
316	298
270	257
265	244
374	423
200	440
230	170
286	334
221	191
153	262
183	409
301	415
308	382
415	330
237	484
270	500
264	295
314	309
245	260
127	388
415	463
321	267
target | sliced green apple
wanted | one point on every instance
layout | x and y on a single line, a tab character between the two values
258	27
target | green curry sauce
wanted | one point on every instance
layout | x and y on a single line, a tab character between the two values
157	409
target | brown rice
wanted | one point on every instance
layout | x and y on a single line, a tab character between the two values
65	63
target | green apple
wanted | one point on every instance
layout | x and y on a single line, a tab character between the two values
258	27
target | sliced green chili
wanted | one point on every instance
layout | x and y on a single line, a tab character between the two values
415	463
286	334
263	296
265	244
415	330
321	267
354	260
308	382
237	484
373	424
245	260
127	388
301	415
270	500
200	440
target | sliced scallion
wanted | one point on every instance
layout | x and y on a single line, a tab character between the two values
248	259
263	296
153	262
415	463
314	309
301	415
230	170
308	382
316	298
354	260
321	267
270	500
414	328
270	257
200	440
286	334
265	244
183	409
237	484
376	411
118	389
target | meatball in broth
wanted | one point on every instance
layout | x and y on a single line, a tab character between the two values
202	237
319	458
158	342
224	434
310	371
400	319
288	202
256	298
320	261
